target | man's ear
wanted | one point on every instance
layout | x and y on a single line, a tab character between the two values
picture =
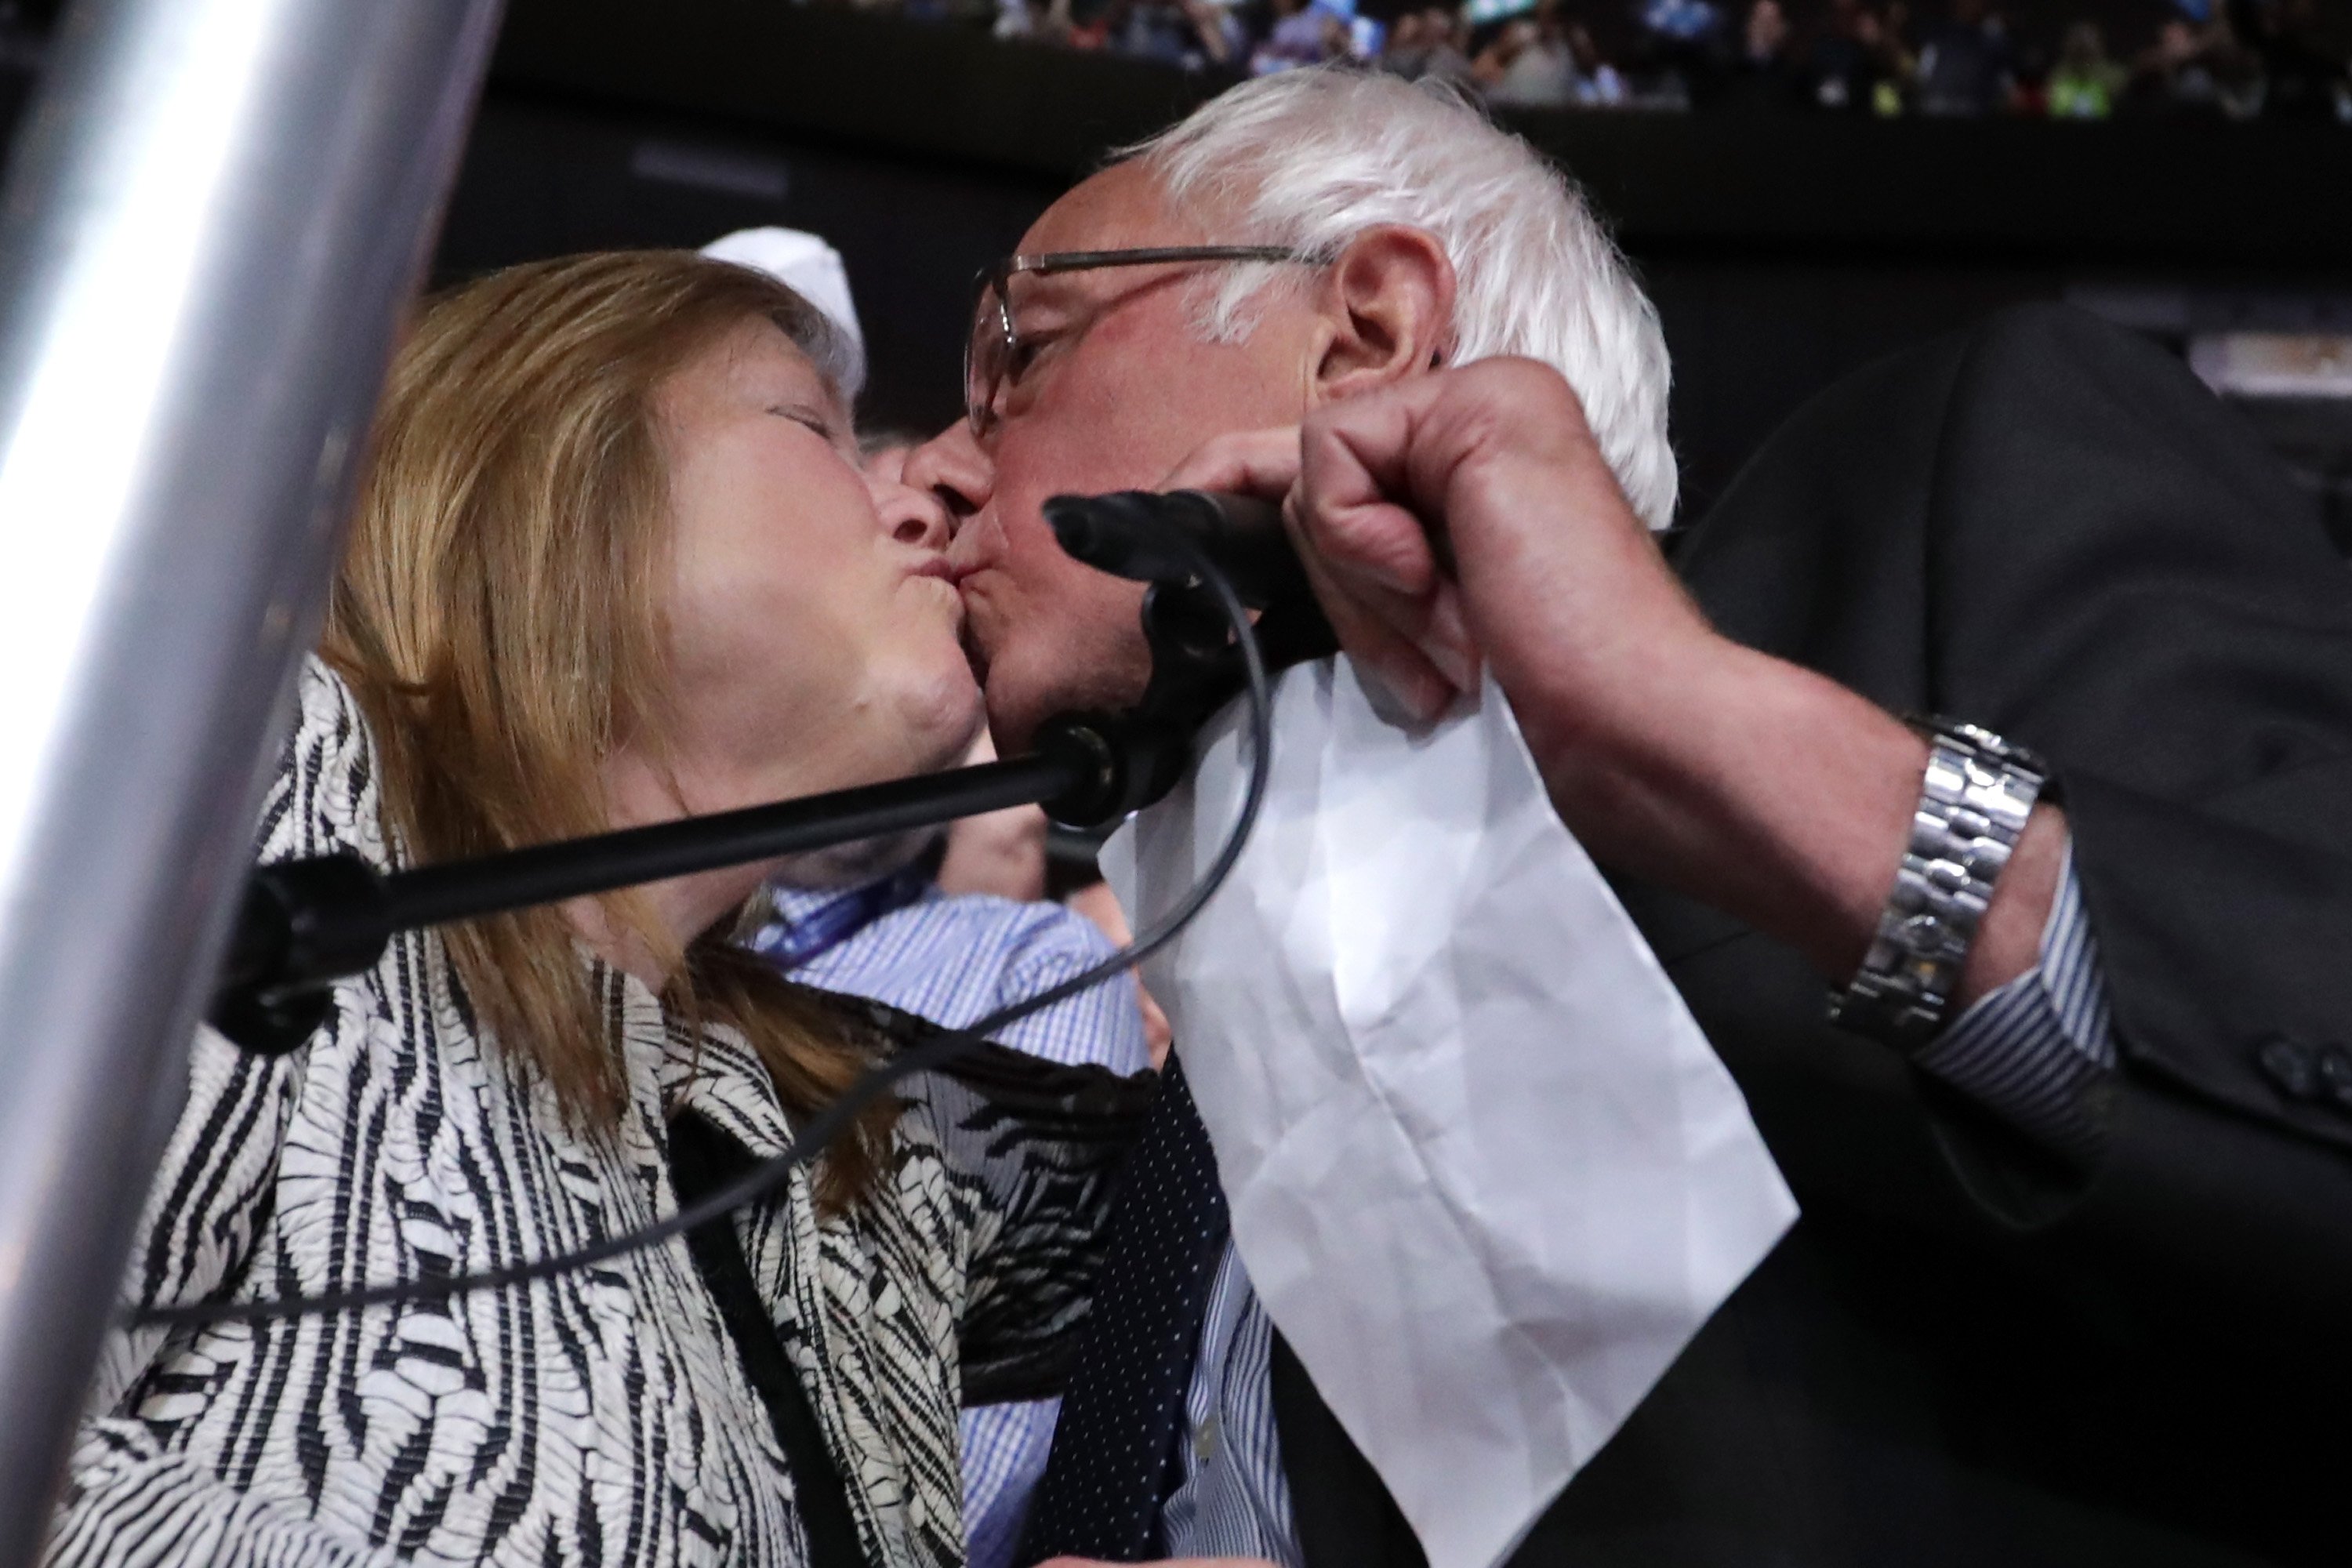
1389	311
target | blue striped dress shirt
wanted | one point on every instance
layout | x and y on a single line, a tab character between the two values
2029	1052
954	959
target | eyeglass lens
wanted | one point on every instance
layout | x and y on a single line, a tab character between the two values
986	354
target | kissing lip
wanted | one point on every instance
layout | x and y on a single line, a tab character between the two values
933	566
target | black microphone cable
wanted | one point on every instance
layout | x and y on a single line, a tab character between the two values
931	1053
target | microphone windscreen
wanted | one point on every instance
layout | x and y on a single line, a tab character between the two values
1129	534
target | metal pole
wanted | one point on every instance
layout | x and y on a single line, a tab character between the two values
217	211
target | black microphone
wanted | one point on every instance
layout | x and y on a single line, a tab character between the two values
1140	535
1126	534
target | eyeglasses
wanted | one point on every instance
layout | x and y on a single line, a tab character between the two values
991	354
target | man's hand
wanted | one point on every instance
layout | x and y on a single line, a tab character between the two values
1467	516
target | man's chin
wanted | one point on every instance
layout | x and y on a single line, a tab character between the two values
1021	693
1012	720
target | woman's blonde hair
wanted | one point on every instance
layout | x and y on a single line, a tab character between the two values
500	618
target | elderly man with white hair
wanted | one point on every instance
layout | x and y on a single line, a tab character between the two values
2076	1097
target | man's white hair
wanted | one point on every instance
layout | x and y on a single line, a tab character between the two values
1309	159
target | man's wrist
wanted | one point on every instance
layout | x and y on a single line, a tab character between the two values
2008	942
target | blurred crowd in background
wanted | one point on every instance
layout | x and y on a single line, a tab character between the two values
2078	59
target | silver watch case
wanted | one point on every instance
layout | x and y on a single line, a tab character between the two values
1973	805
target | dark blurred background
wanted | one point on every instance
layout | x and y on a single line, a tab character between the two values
1802	186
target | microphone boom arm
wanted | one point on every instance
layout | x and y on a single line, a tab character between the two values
306	923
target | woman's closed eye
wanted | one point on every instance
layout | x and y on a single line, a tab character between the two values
816	420
808	416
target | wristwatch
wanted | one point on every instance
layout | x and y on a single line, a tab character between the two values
1973	805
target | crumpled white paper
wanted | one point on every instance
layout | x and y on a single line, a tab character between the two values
1486	1172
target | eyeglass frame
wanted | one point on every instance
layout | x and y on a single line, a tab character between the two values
980	412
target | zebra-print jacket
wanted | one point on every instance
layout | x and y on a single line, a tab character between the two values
603	1418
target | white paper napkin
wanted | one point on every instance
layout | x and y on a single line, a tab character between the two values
1486	1174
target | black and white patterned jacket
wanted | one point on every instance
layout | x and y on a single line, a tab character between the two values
601	1418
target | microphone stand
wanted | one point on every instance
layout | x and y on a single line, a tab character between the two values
306	923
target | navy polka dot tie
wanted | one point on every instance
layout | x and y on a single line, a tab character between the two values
1114	1450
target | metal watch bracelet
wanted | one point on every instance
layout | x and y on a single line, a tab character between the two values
1973	805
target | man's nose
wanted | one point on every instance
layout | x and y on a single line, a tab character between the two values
951	466
910	516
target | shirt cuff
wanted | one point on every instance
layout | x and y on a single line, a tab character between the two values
2036	1051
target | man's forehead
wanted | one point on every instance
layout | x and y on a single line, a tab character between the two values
1120	208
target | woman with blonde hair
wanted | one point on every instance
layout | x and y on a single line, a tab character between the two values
615	561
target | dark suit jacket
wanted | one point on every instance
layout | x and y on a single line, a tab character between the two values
1963	1353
